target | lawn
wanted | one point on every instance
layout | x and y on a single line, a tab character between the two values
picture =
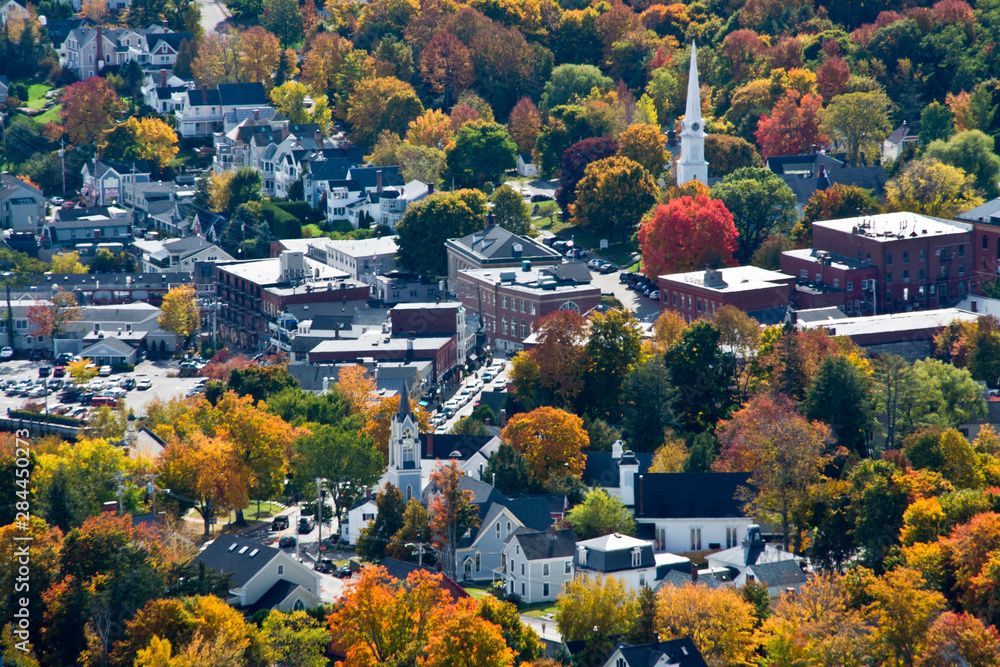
544	610
618	252
36	95
50	116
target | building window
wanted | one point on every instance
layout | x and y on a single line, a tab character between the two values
836	282
731	537
986	242
281	570
478	562
545	590
696	539
888	259
961	251
636	557
522	589
568	567
498	530
522	569
888	277
906	258
850	285
804	274
545	569
642	579
298	606
906	276
923	255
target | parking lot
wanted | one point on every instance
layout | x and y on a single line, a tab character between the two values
162	378
463	402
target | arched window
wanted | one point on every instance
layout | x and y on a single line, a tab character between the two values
570	305
298	606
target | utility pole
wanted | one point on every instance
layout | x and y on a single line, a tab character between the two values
62	161
419	549
319	517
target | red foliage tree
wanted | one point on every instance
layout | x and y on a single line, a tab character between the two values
446	66
832	77
741	48
686	234
792	127
574	162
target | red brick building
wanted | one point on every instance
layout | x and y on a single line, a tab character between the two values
760	293
985	220
886	263
251	294
510	301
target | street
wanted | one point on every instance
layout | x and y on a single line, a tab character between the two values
213	12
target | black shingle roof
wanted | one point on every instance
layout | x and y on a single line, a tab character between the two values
274	595
443	444
242	94
684	495
679	652
228	556
540	544
602	469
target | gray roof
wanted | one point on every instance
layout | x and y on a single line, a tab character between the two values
988	212
112	344
231	555
601	468
541	544
781	573
242	94
498	244
274	596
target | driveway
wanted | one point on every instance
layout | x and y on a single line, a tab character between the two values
644	308
213	12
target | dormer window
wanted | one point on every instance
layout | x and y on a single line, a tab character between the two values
636	556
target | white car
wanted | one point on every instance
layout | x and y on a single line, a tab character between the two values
104	371
142	383
6	352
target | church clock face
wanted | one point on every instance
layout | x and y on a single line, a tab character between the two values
407	434
695	126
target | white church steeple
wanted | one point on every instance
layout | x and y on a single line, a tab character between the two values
692	165
404	450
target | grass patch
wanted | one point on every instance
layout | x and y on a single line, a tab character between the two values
619	252
539	609
36	95
475	591
50	116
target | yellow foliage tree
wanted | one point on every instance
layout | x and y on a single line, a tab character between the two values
551	440
431	128
718	621
932	187
259	55
67	262
219	190
179	312
902	610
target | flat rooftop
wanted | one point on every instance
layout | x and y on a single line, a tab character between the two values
888	227
896	322
827	258
731	279
268	271
537	280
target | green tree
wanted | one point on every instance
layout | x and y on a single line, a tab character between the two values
860	121
612	350
284	19
261	382
841	397
510	210
647	396
427	224
877	502
295	639
375	536
972	152
334	452
943	395
761	203
569	83
932	187
482	151
508	470
702	373
936	123
600	514
613	196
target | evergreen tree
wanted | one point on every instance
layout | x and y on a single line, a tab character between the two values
388	521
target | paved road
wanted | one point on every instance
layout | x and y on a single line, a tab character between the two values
544	628
213	12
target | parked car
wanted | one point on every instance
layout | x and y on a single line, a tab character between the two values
44	371
59	371
287	542
279	522
6	352
325	565
343	572
64	358
101	401
142	383
127	384
306	524
104	371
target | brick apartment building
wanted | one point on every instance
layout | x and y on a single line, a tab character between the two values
985	220
509	302
760	293
254	293
892	262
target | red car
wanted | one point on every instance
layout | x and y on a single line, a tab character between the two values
58	371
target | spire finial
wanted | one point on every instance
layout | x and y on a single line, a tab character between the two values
692	111
404	402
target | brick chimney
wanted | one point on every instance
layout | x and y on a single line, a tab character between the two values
378	181
694	572
163	78
430	445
